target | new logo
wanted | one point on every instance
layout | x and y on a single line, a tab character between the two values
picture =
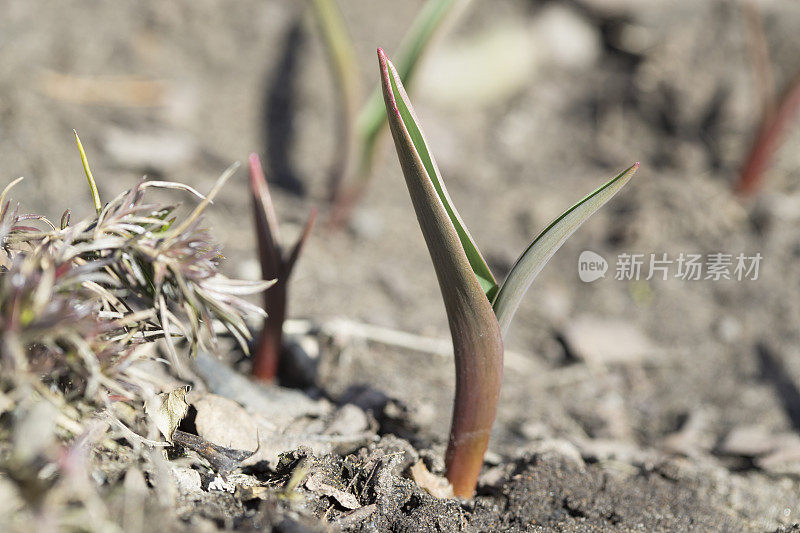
591	266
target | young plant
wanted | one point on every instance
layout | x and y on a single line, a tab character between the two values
360	128
479	311
275	265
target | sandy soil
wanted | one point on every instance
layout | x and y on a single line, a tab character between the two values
627	405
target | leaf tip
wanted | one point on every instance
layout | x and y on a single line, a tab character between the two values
254	160
85	163
256	172
632	169
383	63
387	71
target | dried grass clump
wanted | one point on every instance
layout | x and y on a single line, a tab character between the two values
78	301
79	304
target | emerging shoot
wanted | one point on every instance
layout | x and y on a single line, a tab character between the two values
275	265
479	311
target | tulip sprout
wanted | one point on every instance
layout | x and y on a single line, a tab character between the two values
275	265
479	310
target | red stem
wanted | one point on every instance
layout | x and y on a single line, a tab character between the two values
267	355
479	376
270	344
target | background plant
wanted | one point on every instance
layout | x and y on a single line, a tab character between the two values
360	127
778	110
479	311
770	135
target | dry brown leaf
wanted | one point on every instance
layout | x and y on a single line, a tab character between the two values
436	486
168	409
316	483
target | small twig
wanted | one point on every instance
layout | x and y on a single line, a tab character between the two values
131	435
103	90
223	460
390	337
8	188
209	198
316	438
356	516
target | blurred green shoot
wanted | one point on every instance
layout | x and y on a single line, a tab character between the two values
360	129
478	310
347	76
275	265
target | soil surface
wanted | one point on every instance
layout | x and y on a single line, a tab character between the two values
627	405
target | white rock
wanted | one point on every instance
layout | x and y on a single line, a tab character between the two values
220	485
187	480
568	38
348	420
163	151
560	447
728	329
276	405
225	423
754	441
606	341
367	223
482	68
34	431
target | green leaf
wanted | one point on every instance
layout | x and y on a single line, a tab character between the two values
539	252
406	114
426	26
92	184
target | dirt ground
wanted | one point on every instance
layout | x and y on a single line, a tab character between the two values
628	405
